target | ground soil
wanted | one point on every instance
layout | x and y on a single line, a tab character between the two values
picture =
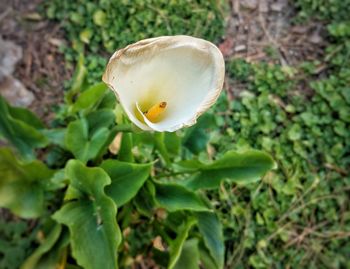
255	28
42	69
266	30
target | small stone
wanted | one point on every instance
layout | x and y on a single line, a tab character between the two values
263	6
240	48
10	55
277	6
249	4
315	38
15	92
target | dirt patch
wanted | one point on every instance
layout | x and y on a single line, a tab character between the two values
264	30
42	69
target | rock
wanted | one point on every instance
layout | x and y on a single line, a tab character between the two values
279	5
263	6
14	92
240	48
10	55
10	88
249	4
315	38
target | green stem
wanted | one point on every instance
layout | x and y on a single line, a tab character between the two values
159	143
123	128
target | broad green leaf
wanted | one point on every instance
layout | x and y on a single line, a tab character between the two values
197	137
103	118
26	116
190	166
91	218
83	146
21	134
22	185
245	167
56	136
144	201
57	157
205	257
108	101
58	180
173	143
175	197
177	245
211	230
127	179
46	245
189	257
90	98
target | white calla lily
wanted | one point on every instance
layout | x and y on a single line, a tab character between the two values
166	83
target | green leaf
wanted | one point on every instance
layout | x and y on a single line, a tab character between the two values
58	180
205	257
23	135
295	132
144	200
175	197
189	257
56	136
159	143
57	256
99	17
78	80
245	167
103	118
173	143
86	35
25	115
46	245
125	151
90	98
127	179
83	145
22	185
197	137
99	119
91	218
211	230
108	101
177	245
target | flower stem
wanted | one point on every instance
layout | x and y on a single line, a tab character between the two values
123	128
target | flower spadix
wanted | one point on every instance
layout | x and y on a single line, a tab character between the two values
166	83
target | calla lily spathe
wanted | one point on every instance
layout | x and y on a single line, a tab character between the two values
166	83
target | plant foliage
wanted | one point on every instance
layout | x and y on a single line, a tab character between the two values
99	178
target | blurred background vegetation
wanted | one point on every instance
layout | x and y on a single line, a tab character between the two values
287	92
